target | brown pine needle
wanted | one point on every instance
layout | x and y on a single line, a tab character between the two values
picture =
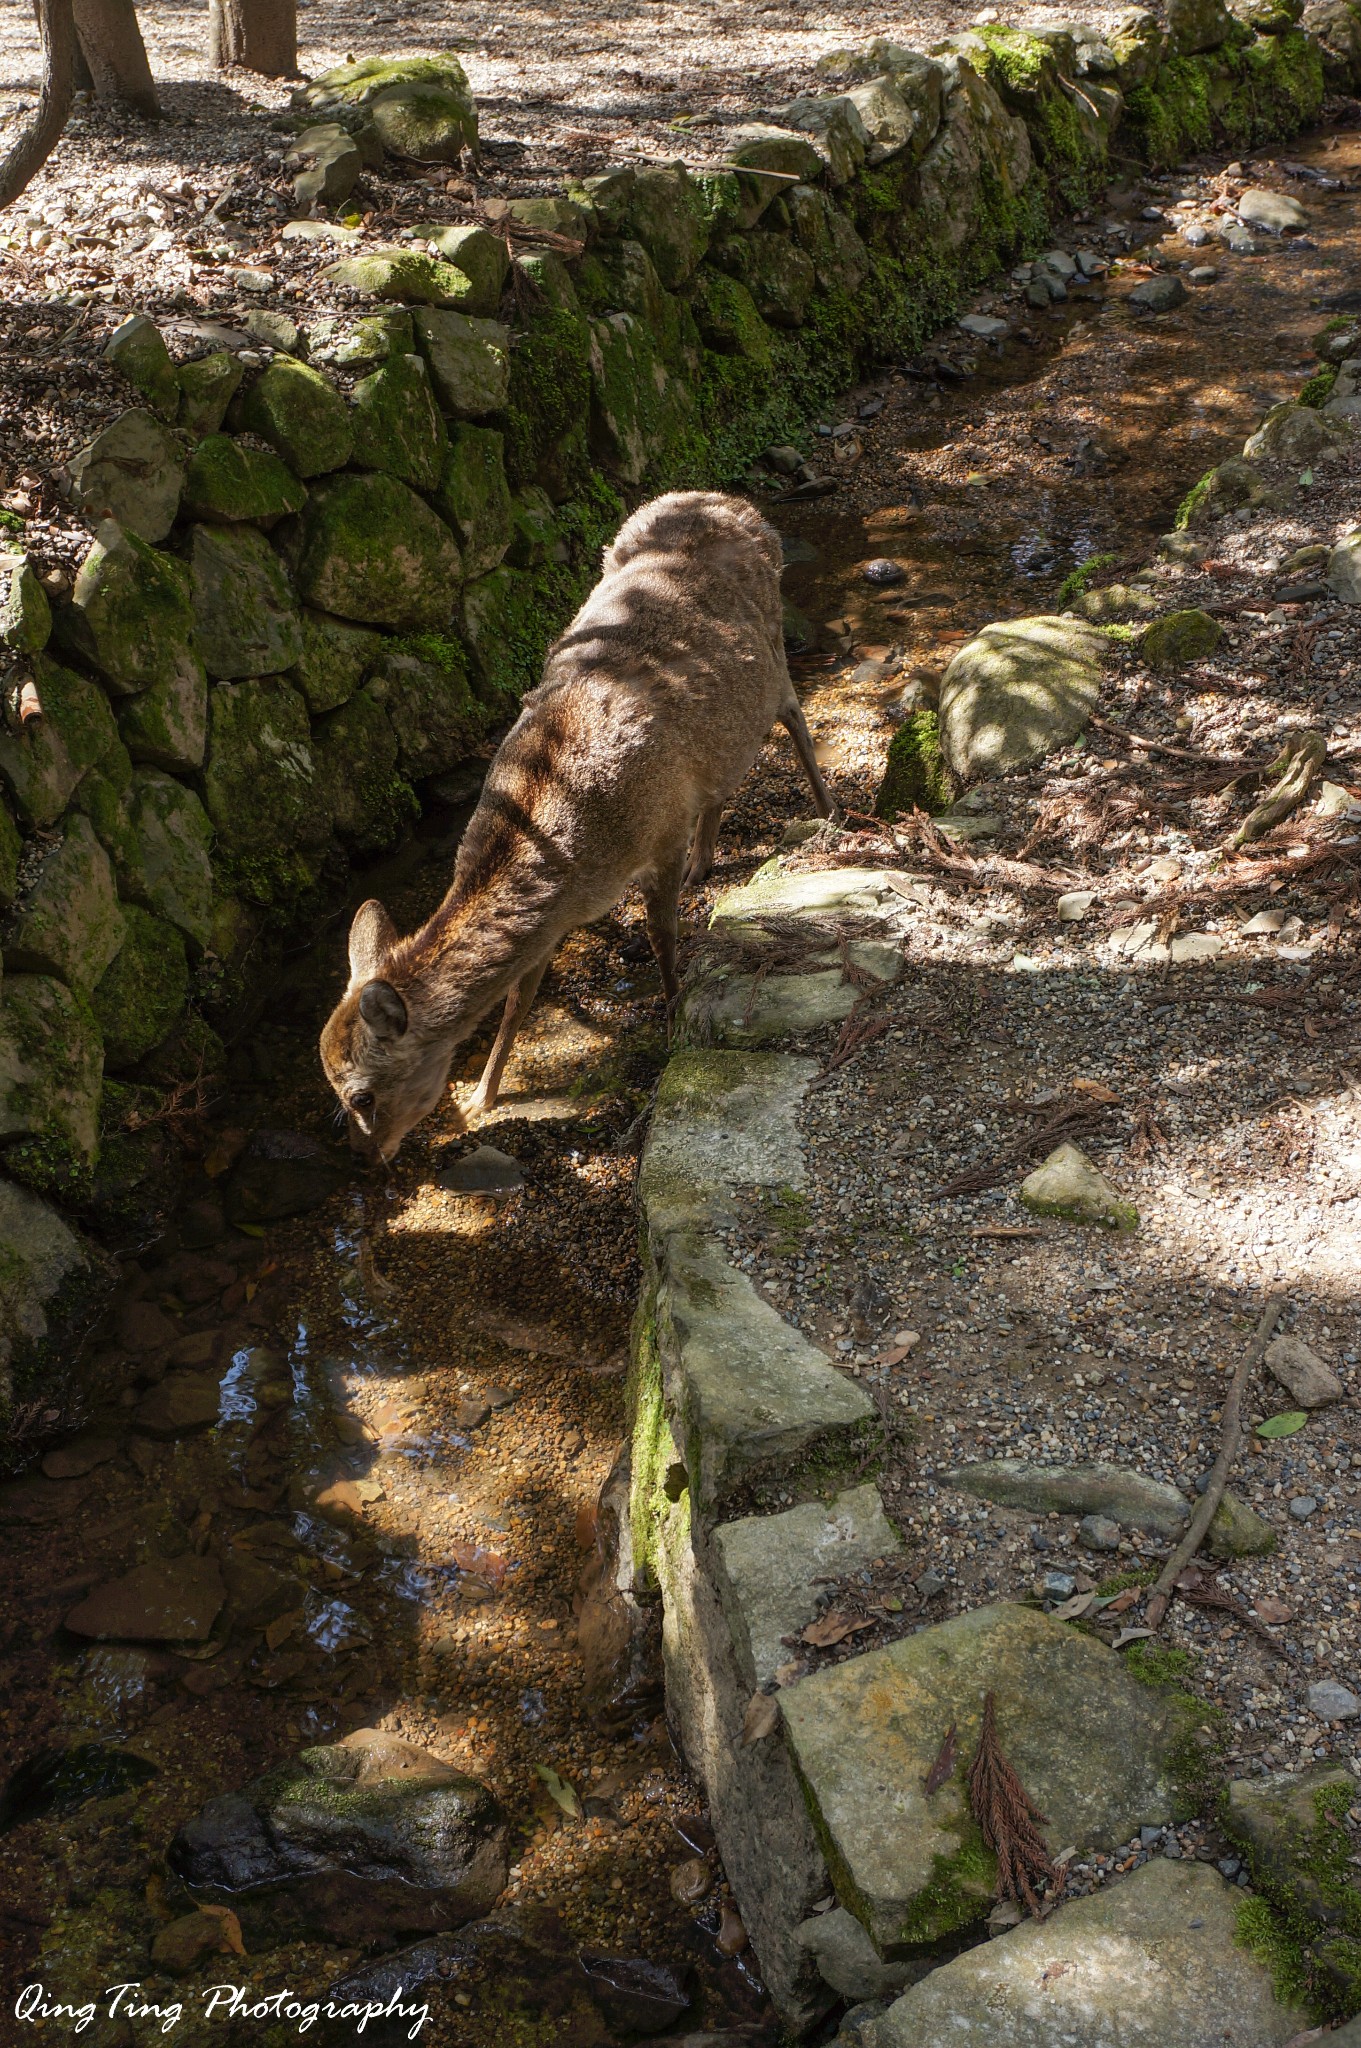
1007	1816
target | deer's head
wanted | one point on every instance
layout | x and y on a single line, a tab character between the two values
386	1063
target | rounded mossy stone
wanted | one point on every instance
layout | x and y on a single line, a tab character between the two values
367	342
775	270
25	614
468	360
506	631
373	551
159	838
1180	637
481	258
167	725
915	775
841	262
41	768
1230	486
301	415
67	921
336	656
261	790
408	276
356	755
725	313
473	495
398	427
1136	42
11	852
640	411
246	620
422	685
223	480
207	387
131	614
138	350
143	990
1171	113
51	1065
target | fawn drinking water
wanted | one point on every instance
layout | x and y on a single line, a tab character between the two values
654	704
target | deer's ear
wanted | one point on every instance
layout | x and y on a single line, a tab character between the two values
372	937
382	1009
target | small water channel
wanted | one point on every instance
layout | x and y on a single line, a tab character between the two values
385	1411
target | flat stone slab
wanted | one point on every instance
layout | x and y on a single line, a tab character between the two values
1148	1963
745	1389
772	1570
173	1599
1130	1498
833	892
722	1120
742	1011
1093	1747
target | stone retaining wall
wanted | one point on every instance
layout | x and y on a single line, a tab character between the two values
327	566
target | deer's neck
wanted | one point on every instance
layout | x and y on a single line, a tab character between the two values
491	928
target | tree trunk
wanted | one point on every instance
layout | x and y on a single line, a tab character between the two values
116	54
35	145
258	35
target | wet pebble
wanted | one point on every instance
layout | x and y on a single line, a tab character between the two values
691	1881
882	571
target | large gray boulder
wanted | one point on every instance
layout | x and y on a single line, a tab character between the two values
1130	1498
1017	691
373	551
1152	1962
367	1839
246	620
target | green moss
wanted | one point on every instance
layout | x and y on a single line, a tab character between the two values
1078	581
1193	501
1155	1664
1318	389
1070	149
141	994
1180	637
916	774
550	392
1305	1925
788	1213
1171	115
652	1450
1120	1582
1259	1931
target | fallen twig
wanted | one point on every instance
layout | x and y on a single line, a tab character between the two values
1007	1816
1296	768
1072	1119
1199	1592
1230	1442
1135	739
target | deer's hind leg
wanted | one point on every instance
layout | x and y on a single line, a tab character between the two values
703	844
484	1096
661	902
794	723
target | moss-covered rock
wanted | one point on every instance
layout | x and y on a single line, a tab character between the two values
775	270
535	534
207	387
25	614
666	212
367	341
301	415
1069	131
1016	691
841	262
428	123
469	361
974	182
41	766
51	1066
227	481
143	990
261	790
373	551
11	852
1293	1826
725	313
336	656
1231	486
1294	433
481	260
409	277
638	410
422	685
832	123
1136	41
246	620
507	633
1194	26
397	424
159	838
132	473
1068	1184
136	348
67	921
131	614
167	725
1180	637
1335	28
355	750
915	774
474	496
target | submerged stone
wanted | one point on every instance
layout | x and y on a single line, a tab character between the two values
364	1839
173	1599
1151	1962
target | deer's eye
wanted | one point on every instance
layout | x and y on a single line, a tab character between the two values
362	1101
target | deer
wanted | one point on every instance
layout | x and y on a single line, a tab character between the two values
654	703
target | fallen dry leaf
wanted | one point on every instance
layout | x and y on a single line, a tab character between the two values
1130	1635
228	1926
834	1628
1269	1608
279	1631
1096	1090
944	1764
898	1352
1074	1609
1122	1602
762	1718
